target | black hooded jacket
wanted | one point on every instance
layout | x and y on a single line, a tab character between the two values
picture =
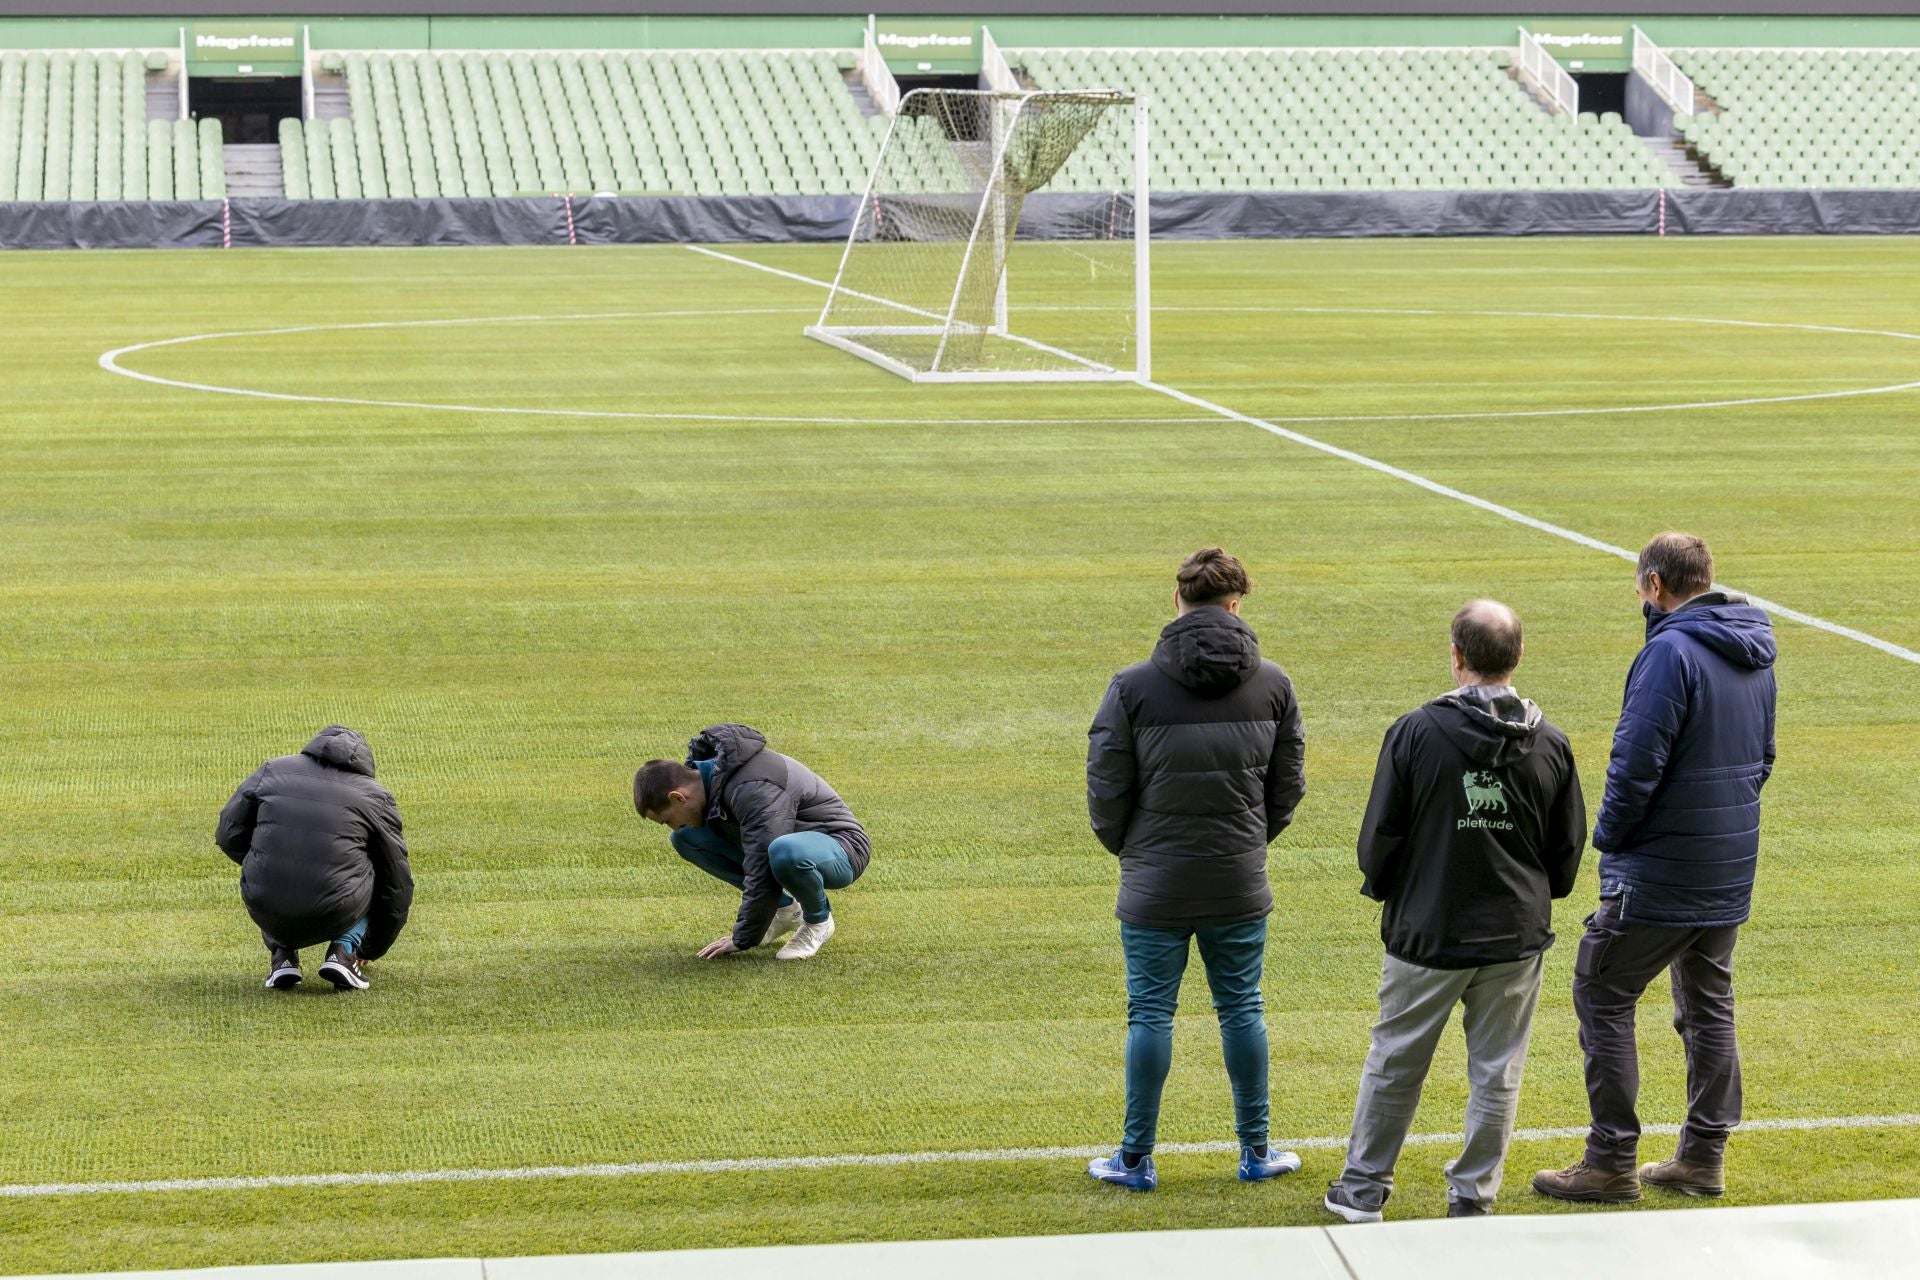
319	847
755	797
1475	824
1196	760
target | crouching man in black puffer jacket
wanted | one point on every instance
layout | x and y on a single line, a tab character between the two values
321	859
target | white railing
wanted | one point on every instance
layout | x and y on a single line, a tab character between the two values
1662	72
994	67
1544	70
875	74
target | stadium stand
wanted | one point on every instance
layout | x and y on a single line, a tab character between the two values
1806	117
1346	119
74	125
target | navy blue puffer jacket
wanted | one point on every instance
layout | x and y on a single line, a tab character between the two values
1679	827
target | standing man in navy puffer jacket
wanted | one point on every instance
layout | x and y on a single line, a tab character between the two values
1679	834
1195	762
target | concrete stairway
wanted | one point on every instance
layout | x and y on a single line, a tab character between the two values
163	93
330	95
858	88
253	171
1692	171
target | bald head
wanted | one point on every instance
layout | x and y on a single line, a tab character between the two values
1486	641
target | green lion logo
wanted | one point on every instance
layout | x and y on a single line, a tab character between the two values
1484	792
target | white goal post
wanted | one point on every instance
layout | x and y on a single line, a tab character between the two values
1002	237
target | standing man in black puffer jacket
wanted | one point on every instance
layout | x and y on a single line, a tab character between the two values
1195	762
321	859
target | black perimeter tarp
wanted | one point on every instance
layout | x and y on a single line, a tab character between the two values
556	220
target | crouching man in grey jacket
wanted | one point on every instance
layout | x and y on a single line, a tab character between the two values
1195	761
321	859
763	823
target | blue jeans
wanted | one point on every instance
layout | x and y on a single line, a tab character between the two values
805	863
1156	961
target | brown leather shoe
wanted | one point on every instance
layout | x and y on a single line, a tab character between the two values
1686	1177
1581	1181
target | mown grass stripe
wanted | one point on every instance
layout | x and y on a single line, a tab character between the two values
774	1164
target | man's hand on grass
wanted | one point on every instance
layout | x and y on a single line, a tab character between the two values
714	950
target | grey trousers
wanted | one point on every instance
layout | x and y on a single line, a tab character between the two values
1415	1004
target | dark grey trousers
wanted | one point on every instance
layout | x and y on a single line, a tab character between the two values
1615	963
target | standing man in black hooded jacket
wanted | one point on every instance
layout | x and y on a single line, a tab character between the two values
1475	825
321	859
1195	763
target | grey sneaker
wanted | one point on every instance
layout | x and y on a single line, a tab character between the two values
1468	1209
1341	1205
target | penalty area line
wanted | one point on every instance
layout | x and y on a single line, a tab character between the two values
1447	491
883	1160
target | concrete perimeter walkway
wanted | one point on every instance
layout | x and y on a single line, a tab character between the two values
1872	1240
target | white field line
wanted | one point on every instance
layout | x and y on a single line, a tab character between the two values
1508	513
110	361
881	1160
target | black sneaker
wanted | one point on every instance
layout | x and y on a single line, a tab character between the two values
283	973
1467	1209
343	970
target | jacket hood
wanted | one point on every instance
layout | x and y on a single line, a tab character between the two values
1491	731
1725	623
341	748
728	745
1208	650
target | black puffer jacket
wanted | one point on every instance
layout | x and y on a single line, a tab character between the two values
756	796
318	843
1195	761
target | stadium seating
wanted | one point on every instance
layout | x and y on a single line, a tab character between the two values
1807	117
73	126
502	124
1349	119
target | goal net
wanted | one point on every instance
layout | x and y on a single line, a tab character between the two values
1002	237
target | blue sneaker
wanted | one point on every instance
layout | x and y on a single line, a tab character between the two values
1255	1168
1113	1169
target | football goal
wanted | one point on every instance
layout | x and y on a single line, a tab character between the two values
1001	237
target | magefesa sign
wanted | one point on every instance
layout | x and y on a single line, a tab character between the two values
911	45
1593	46
242	48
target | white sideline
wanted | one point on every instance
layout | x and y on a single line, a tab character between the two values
887	1159
1494	508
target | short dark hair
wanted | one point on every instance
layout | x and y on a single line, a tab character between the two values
1683	561
656	780
1487	633
1210	575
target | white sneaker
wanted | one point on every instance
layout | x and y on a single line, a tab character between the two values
784	922
807	941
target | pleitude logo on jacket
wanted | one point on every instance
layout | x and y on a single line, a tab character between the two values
1484	792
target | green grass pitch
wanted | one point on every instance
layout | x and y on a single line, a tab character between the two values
924	598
